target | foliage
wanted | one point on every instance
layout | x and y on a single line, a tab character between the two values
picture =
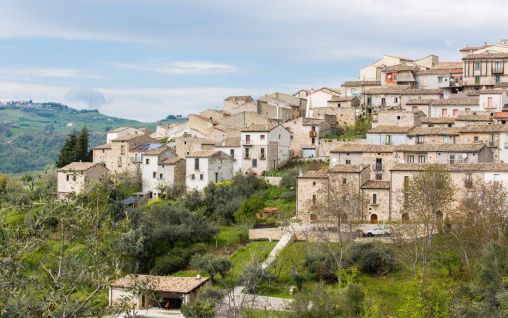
211	265
74	149
199	309
248	209
373	258
322	265
427	300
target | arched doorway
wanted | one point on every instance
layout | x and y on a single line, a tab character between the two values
313	217
373	218
405	217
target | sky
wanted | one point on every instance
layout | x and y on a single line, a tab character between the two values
146	59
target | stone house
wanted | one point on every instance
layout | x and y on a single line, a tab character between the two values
443	153
207	166
186	144
399	75
494	136
433	135
246	119
200	124
473	119
396	97
78	177
342	116
357	88
494	100
344	102
464	176
233	147
453	107
388	135
264	148
154	174
275	109
437	122
379	158
296	103
171	292
397	117
305	135
115	154
376	196
484	67
123	132
238	104
319	98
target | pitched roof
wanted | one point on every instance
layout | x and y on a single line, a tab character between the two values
312	121
396	90
179	285
360	148
229	142
440	131
151	149
376	184
118	129
440	147
491	91
461	101
419	101
342	98
437	120
389	129
314	175
79	166
485	56
258	128
104	146
501	115
472	117
170	161
361	83
400	68
447	65
348	168
484	128
209	154
457	167
239	98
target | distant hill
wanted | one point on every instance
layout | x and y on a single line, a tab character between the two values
31	134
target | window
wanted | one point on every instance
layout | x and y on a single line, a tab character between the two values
122	149
420	139
467	110
119	161
477	66
67	177
383	101
262	137
379	164
161	177
314	200
455	112
344	180
196	163
232	152
193	176
254	163
445	139
444	112
477	80
398	117
452	159
497	78
154	174
247	139
469	180
147	161
74	178
313	128
247	154
374	198
421	159
496	177
439	79
279	136
201	177
415	109
410	159
388	139
476	139
369	100
348	162
491	140
396	100
314	183
262	155
313	140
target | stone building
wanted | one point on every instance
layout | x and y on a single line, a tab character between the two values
305	136
78	177
207	166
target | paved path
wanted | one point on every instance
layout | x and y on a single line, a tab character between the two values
284	240
237	299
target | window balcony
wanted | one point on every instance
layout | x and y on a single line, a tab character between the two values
247	142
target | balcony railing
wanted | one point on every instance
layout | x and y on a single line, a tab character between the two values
497	70
247	142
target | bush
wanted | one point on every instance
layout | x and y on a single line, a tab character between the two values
168	264
373	259
199	309
321	265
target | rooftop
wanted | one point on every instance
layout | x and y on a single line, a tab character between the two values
208	154
484	128
229	142
314	175
396	90
361	83
464	101
79	166
440	131
437	120
440	147
170	161
458	167
348	168
151	149
389	129
376	184
485	56
239	98
360	148
179	285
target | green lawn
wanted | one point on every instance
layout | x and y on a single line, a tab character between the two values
245	255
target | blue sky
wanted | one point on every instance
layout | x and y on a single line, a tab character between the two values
145	59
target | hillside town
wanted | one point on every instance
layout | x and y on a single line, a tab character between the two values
422	112
374	134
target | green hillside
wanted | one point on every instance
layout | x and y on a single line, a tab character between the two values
30	137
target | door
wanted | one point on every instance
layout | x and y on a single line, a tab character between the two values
373	218
490	102
216	177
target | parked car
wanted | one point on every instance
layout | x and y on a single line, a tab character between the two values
378	231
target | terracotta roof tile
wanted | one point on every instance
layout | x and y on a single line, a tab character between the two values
443	131
180	285
389	129
376	184
493	167
360	148
348	168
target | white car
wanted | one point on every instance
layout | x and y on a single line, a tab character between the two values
378	231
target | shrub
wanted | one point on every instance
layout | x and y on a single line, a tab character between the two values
199	309
371	258
168	264
321	265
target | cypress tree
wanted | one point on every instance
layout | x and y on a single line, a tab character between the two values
68	152
82	145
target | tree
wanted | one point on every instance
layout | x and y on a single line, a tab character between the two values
199	309
68	151
3	183
82	145
212	265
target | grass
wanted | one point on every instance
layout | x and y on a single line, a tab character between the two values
230	235
245	255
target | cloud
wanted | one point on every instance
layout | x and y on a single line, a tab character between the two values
49	73
180	67
92	97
